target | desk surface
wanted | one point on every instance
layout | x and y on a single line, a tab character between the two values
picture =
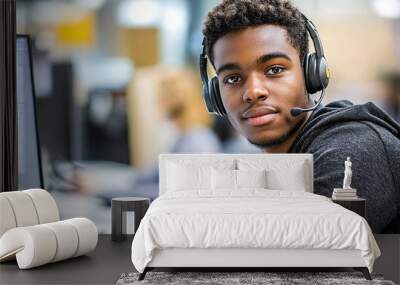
102	266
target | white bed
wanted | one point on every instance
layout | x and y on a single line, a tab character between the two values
203	218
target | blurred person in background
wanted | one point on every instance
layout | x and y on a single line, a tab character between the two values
180	102
391	94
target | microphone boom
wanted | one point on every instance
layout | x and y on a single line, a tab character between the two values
297	111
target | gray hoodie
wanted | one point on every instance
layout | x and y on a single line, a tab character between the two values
371	139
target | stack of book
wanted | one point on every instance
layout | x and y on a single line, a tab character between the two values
344	194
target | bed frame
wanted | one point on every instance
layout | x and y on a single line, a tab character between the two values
246	258
242	259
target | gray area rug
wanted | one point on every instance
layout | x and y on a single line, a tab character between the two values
229	278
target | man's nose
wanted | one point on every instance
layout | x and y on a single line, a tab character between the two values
255	89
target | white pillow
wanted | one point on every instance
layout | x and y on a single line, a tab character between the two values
188	177
293	180
251	178
282	174
223	179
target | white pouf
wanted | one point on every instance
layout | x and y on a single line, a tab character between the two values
31	233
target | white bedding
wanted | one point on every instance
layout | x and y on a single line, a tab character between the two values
251	218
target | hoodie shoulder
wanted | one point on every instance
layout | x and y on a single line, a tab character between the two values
340	113
373	169
350	136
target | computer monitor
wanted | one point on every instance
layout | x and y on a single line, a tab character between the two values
55	116
29	158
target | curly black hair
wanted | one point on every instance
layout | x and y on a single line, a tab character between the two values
234	15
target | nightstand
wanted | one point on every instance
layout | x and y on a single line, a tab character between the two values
120	208
357	205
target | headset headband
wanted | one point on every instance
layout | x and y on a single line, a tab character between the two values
203	63
314	36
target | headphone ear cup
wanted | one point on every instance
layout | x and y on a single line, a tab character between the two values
207	99
324	73
316	78
313	79
306	72
216	96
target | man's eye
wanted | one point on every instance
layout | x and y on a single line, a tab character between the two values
232	79
275	70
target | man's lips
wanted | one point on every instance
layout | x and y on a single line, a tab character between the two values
260	115
259	111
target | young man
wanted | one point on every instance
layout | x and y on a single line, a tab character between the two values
257	48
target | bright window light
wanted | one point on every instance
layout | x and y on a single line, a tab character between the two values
387	8
174	24
139	13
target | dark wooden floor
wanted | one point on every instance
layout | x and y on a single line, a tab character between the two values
102	266
110	259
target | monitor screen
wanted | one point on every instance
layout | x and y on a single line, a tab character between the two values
29	162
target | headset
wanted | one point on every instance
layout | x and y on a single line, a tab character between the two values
315	69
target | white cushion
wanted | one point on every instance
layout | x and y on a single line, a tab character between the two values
230	180
286	166
87	233
7	218
223	179
45	205
169	175
67	239
188	177
40	244
32	246
282	174
281	180
27	235
23	208
26	208
251	178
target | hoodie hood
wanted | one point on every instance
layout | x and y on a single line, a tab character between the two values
342	111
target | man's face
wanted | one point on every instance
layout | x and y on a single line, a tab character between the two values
260	79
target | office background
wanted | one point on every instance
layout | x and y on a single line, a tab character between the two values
110	76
